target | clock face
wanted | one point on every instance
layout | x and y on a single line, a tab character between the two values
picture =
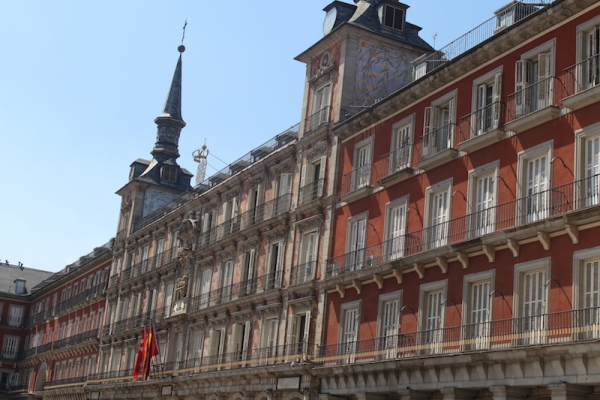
330	18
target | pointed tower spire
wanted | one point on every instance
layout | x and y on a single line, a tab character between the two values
170	122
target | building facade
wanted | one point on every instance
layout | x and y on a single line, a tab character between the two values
428	230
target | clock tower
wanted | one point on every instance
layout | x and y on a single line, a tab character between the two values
154	183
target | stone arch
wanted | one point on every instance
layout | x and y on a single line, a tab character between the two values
40	378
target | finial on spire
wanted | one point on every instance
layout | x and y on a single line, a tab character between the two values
181	47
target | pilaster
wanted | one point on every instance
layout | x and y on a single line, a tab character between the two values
508	393
564	391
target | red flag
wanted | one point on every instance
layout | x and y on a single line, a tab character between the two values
151	351
141	354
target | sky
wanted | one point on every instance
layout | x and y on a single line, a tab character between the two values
81	83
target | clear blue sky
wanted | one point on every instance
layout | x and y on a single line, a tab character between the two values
82	81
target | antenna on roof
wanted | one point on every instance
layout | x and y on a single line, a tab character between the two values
434	37
200	156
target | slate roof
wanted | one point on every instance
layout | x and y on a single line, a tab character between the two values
32	277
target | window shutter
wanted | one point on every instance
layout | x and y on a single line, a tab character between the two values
306	333
592	292
519	87
293	334
285	184
545	88
321	176
481	109
497	96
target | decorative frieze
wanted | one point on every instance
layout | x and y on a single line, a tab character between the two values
219	321
199	325
243	315
302	303
286	166
249	244
231	194
269	310
206	262
226	254
256	180
316	221
160	232
316	152
277	234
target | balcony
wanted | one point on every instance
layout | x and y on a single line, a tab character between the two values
303	273
311	192
76	381
240	290
76	339
147	265
481	128
534	105
396	166
319	119
262	212
555	328
137	321
556	202
582	83
356	184
437	147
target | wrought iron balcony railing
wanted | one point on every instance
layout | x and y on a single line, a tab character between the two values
148	264
439	139
557	201
396	161
537	96
311	192
318	119
582	76
76	339
248	287
303	273
481	121
356	179
137	321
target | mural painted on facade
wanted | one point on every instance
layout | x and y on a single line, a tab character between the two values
154	199
378	69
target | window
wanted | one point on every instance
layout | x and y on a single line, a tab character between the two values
400	156
274	265
256	209
534	85
477	309
248	282
269	340
487	106
10	347
298	334
231	223
321	104
20	286
15	315
307	259
432	310
482	199
361	175
240	343
144	261
203	290
158	250
588	162
178	347
437	208
393	17
116	360
197	341
169	173
355	242
395	229
588	53
312	180
284	188
438	129
349	324
217	346
209	223
174	244
168	298
530	297
226	281
586	267
534	167
389	324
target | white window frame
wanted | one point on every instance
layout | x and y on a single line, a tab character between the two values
321	103
13	318
276	256
307	262
240	343
395	240
401	148
437	235
269	333
308	191
249	271
347	348
581	43
356	257
524	327
432	340
226	280
481	112
10	347
589	193
482	222
477	334
433	140
388	342
587	318
362	174
522	81
298	338
524	157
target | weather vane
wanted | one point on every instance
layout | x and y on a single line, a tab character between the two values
183	37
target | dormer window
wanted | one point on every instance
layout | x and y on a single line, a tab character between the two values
393	17
169	173
20	286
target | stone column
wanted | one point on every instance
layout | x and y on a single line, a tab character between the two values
564	391
508	393
409	394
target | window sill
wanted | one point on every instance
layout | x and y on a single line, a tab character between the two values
437	159
356	194
582	99
480	141
396	177
532	120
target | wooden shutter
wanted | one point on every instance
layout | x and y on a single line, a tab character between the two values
480	302
497	99
591	297
520	82
545	88
434	311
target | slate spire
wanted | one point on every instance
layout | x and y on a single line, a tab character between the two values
170	122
